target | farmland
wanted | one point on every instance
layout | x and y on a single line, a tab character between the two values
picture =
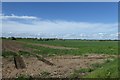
60	58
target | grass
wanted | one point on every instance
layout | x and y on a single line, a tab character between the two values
105	70
52	52
84	71
24	53
81	72
84	47
96	65
99	47
12	54
8	54
108	70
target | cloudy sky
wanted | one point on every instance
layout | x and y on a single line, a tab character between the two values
60	20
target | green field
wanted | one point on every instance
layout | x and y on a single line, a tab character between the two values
83	47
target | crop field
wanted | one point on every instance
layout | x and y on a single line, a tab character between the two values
36	58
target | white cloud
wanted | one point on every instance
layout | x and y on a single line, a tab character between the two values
60	28
12	16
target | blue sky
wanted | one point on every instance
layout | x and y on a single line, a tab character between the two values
80	19
82	11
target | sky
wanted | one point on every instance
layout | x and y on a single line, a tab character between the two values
81	20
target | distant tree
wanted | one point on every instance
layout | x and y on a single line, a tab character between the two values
3	37
13	38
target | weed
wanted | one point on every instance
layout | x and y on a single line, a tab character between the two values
44	74
8	54
22	77
24	53
96	65
81	72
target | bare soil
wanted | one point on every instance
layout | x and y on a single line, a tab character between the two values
64	66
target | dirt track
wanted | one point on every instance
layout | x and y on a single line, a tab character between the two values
53	47
50	46
13	46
